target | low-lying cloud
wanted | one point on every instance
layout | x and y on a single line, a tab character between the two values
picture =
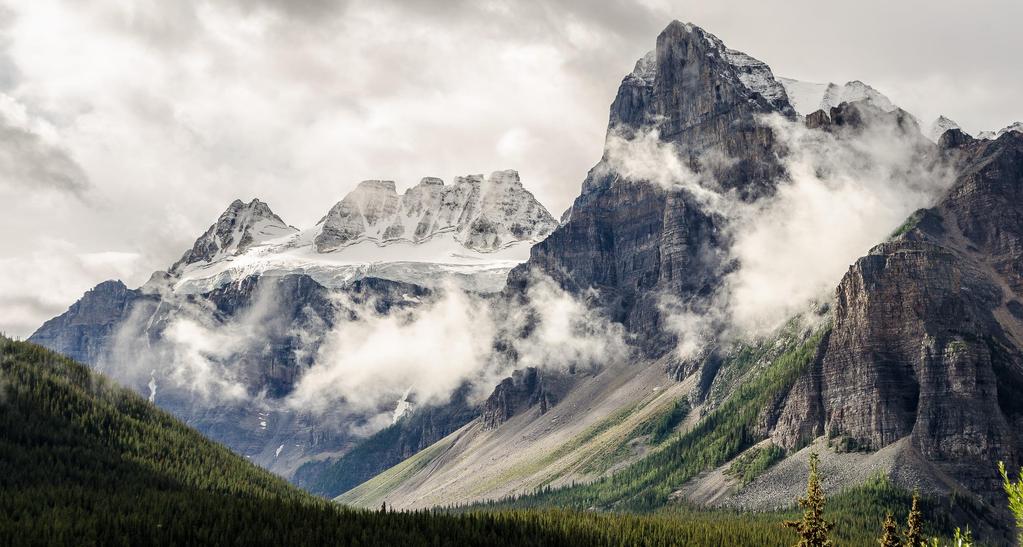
843	193
367	359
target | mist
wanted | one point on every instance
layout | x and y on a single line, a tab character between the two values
843	193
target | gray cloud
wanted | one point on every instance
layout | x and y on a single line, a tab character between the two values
27	161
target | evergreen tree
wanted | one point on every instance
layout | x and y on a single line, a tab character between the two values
963	539
1015	492
890	532
814	529
915	524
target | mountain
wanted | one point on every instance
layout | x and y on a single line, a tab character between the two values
808	97
625	236
910	369
626	243
902	369
270	295
483	214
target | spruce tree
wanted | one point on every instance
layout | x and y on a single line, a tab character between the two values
915	524
814	529
890	532
1015	492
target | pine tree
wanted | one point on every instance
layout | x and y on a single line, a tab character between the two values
890	536
1015	492
813	530
915	524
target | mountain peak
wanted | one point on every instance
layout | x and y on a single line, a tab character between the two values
939	127
240	226
484	213
988	135
809	97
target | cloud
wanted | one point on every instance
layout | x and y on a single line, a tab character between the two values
355	367
41	284
31	158
643	156
844	194
562	331
372	360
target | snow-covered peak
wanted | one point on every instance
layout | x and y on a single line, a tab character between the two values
856	91
483	213
756	76
1018	126
809	97
939	126
241	226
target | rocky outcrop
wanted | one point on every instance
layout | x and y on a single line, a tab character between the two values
484	213
525	389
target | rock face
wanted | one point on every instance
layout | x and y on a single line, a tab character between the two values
524	389
84	330
484	213
925	341
632	238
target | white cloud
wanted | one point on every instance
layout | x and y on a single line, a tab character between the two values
375	359
842	197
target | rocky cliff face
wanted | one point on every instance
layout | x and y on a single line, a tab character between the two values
634	239
523	390
84	331
926	341
483	213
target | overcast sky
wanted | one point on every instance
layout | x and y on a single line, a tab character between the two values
127	127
